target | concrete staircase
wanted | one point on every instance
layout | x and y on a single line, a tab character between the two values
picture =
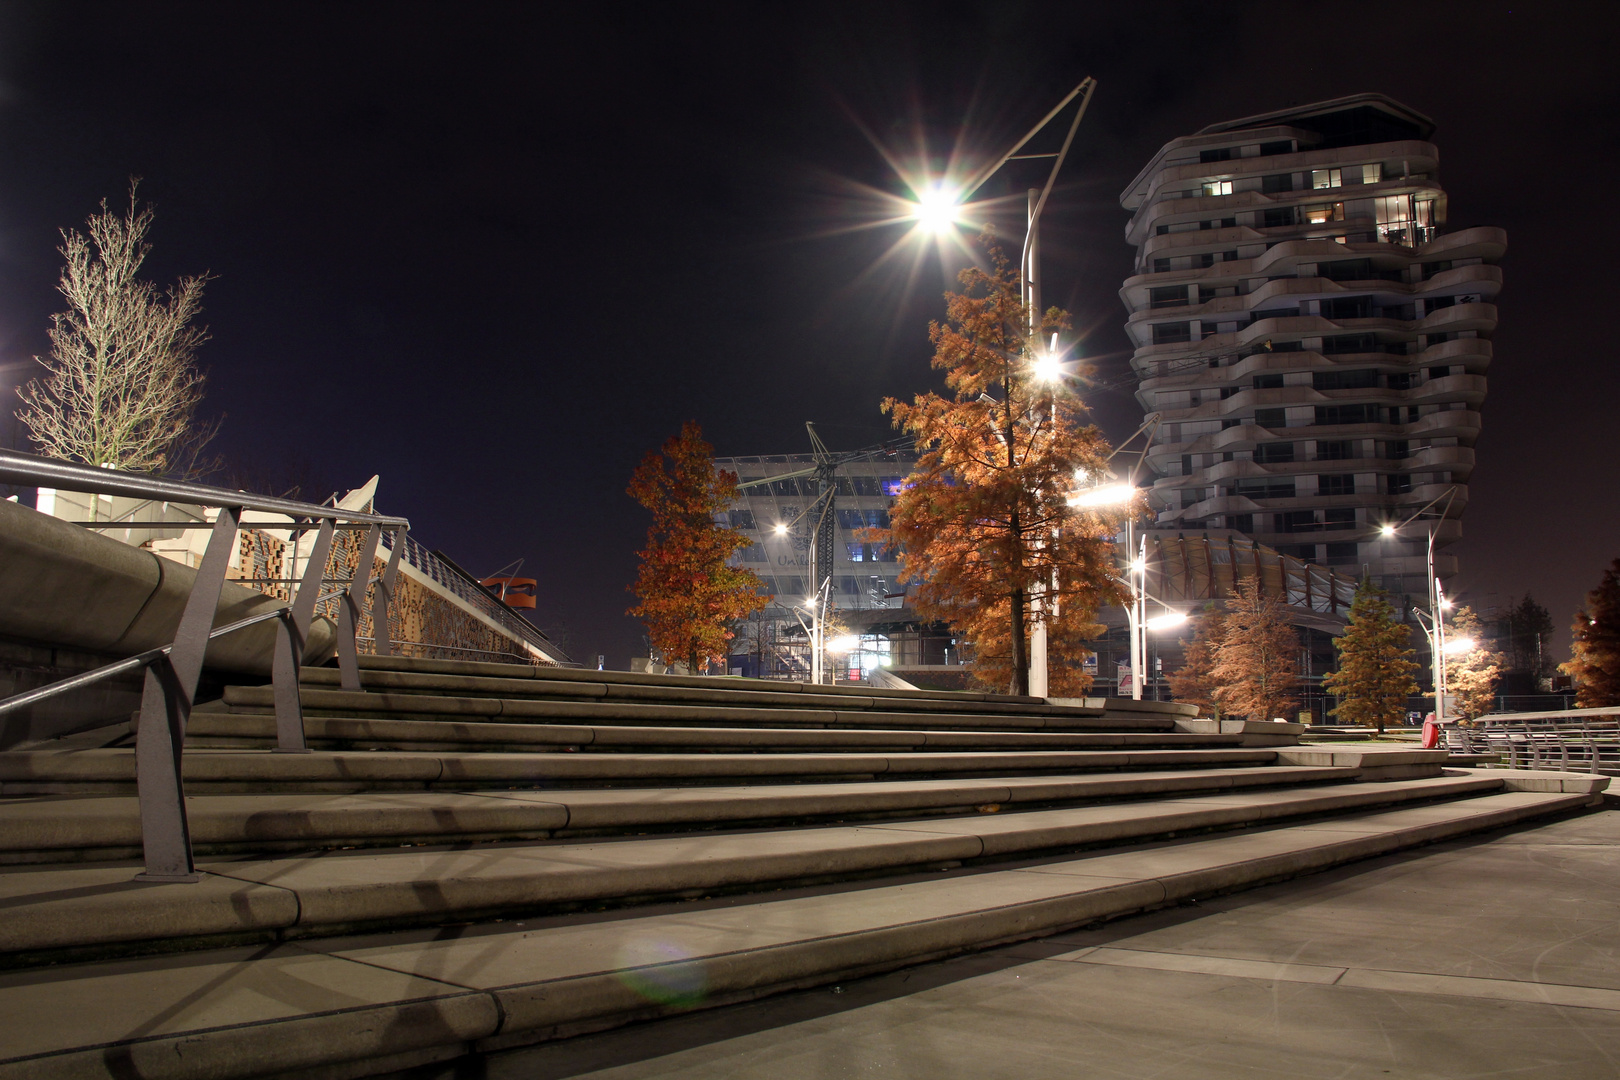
477	856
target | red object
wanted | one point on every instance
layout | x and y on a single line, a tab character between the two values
1431	732
515	592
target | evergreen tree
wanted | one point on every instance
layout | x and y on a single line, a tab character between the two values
1595	662
1471	675
690	595
1194	682
1374	676
1256	669
1529	627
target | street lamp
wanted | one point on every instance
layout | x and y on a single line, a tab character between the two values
816	607
1434	625
936	210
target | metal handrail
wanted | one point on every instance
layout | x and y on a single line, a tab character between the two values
1578	739
172	671
136	662
30	471
444	571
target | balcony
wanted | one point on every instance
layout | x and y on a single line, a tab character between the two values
1150	185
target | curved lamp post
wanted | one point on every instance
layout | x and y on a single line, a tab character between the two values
1434	624
937	209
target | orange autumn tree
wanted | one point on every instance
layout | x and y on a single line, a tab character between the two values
984	519
689	595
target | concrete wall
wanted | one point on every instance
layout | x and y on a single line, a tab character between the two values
64	585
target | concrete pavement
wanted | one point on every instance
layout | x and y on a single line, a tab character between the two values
1479	958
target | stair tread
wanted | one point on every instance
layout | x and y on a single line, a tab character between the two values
367	766
234	1012
544	736
59	907
75	823
819	714
486	669
766	695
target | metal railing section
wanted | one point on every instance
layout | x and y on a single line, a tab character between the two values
1579	740
172	671
465	587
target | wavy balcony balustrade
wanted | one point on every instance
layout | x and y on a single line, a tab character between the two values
1312	339
1420	158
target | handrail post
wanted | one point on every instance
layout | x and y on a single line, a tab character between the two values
383	597
165	709
292	632
349	611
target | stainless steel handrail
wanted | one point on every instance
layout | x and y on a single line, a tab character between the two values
172	671
134	663
31	471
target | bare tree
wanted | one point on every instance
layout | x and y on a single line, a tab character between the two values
122	384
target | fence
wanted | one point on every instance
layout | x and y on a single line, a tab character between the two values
1577	740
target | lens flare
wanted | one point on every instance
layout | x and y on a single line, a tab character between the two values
663	972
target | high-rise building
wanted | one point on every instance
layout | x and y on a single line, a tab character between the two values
1312	338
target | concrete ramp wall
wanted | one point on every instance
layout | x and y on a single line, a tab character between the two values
61	584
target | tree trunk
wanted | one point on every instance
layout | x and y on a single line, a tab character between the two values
1020	654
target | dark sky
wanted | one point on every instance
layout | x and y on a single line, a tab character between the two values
495	253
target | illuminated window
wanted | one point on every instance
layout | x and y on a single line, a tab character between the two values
1370	174
1327	178
1218	187
1401	219
1393	215
1321	215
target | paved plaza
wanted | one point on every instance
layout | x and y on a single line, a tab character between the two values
1490	957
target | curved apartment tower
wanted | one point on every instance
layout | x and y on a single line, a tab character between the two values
1312	338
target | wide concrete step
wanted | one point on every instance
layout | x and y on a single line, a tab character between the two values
68	828
219	729
396	705
364	1005
825	694
55	909
747	693
112	770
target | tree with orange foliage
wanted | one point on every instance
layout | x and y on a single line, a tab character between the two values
1194	682
984	522
1256	670
690	596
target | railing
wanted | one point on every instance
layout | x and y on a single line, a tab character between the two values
1579	740
172	671
453	579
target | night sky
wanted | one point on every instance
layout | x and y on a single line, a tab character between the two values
496	253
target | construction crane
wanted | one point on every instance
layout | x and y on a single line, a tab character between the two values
821	513
822	518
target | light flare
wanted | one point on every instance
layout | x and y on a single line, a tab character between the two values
1107	495
1166	621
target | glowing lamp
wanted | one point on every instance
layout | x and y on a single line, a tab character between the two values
1166	621
936	210
1386	530
848	643
1109	495
1460	645
781	528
